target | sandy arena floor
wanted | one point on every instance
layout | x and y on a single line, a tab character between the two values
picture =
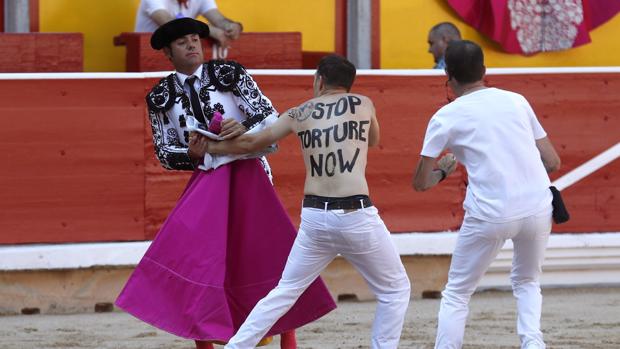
572	318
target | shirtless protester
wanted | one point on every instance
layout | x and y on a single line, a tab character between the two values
335	130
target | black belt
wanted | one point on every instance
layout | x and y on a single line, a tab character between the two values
346	203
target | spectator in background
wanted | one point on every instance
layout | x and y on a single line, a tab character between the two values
153	13
439	37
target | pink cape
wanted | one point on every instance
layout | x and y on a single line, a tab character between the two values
526	27
221	250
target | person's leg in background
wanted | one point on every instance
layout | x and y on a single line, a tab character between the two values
477	245
529	252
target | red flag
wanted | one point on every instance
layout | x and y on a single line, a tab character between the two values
531	26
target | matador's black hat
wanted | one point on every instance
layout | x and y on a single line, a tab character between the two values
175	29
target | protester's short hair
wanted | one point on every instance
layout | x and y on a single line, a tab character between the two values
448	29
336	71
464	61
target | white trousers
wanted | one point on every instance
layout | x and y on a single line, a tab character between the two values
362	238
477	245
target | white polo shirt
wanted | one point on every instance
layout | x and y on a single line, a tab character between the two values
493	133
145	24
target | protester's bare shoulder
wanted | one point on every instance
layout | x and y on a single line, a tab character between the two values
366	101
303	111
367	104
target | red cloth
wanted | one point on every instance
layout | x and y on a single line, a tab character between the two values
602	10
221	250
531	26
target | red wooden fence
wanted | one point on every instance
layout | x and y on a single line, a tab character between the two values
78	163
41	52
253	50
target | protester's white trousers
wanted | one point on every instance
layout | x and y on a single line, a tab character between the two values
477	245
362	238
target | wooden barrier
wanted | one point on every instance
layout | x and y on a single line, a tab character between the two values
74	160
310	59
253	50
79	165
41	52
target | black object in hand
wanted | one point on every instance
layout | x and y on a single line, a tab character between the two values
560	213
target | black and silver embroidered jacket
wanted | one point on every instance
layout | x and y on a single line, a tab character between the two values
225	86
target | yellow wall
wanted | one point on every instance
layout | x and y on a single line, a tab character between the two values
405	25
315	19
102	20
99	20
404	28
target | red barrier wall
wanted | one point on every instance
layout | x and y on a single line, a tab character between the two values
73	164
78	162
253	50
41	52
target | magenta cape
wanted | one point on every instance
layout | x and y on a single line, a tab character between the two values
221	250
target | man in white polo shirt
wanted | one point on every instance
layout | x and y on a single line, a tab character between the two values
507	154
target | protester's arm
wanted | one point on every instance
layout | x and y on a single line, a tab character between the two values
231	77
250	143
548	155
232	128
427	176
